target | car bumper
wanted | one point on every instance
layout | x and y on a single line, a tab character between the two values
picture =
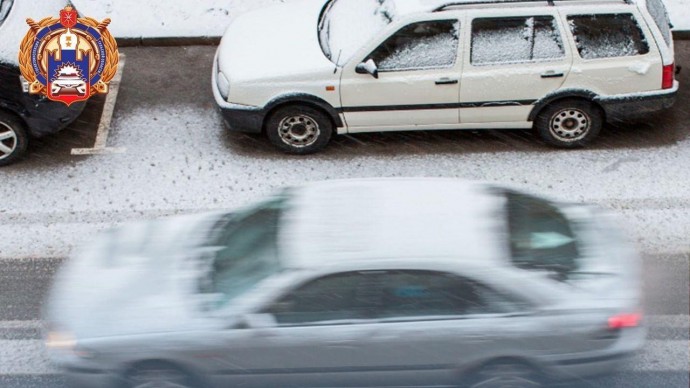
87	378
44	117
637	106
240	118
602	362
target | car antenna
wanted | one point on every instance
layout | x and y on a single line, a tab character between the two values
337	61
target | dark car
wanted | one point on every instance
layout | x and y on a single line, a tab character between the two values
23	116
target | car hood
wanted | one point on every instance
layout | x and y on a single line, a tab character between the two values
273	42
136	279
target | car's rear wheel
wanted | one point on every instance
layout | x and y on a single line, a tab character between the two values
13	139
299	129
159	375
504	374
570	123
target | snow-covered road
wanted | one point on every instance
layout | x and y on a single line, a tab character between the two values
179	158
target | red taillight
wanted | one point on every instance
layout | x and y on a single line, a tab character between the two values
668	77
622	321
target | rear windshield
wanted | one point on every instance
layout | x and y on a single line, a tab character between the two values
658	11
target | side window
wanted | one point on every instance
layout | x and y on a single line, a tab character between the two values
407	294
607	35
540	236
425	45
515	40
331	298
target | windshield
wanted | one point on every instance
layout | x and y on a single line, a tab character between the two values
245	248
5	6
346	25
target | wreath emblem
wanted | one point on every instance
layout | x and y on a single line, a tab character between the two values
69	58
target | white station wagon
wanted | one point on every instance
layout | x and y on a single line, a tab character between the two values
305	70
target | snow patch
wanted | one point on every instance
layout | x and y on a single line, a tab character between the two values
168	18
640	67
679	11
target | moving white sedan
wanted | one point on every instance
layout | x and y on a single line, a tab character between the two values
390	282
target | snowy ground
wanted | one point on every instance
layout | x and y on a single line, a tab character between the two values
179	158
183	18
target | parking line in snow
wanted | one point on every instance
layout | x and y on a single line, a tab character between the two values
100	147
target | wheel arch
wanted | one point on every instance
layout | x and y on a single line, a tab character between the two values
582	94
15	112
196	376
305	100
476	366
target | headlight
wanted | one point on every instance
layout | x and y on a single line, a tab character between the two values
60	341
64	343
223	85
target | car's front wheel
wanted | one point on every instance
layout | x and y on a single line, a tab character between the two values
571	123
299	129
13	139
159	375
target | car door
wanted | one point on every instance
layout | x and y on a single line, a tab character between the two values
433	324
313	337
510	62
418	80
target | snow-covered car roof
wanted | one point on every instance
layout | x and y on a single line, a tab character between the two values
384	219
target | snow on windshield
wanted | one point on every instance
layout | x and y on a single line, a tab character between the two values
349	24
511	40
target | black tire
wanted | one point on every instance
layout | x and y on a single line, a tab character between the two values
298	129
13	139
506	373
571	123
159	375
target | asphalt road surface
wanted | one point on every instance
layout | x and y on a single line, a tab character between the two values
177	158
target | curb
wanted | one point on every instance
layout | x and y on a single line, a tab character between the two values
169	41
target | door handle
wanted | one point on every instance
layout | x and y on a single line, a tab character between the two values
551	74
446	81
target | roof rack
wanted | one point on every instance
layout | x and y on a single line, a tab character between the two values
475	2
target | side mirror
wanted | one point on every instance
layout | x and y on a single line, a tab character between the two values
368	67
256	321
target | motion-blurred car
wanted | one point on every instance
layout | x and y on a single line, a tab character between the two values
23	115
389	282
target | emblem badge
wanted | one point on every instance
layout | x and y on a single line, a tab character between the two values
68	59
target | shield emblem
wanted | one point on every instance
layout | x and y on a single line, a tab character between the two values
68	59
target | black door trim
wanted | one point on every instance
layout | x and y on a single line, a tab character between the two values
482	104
